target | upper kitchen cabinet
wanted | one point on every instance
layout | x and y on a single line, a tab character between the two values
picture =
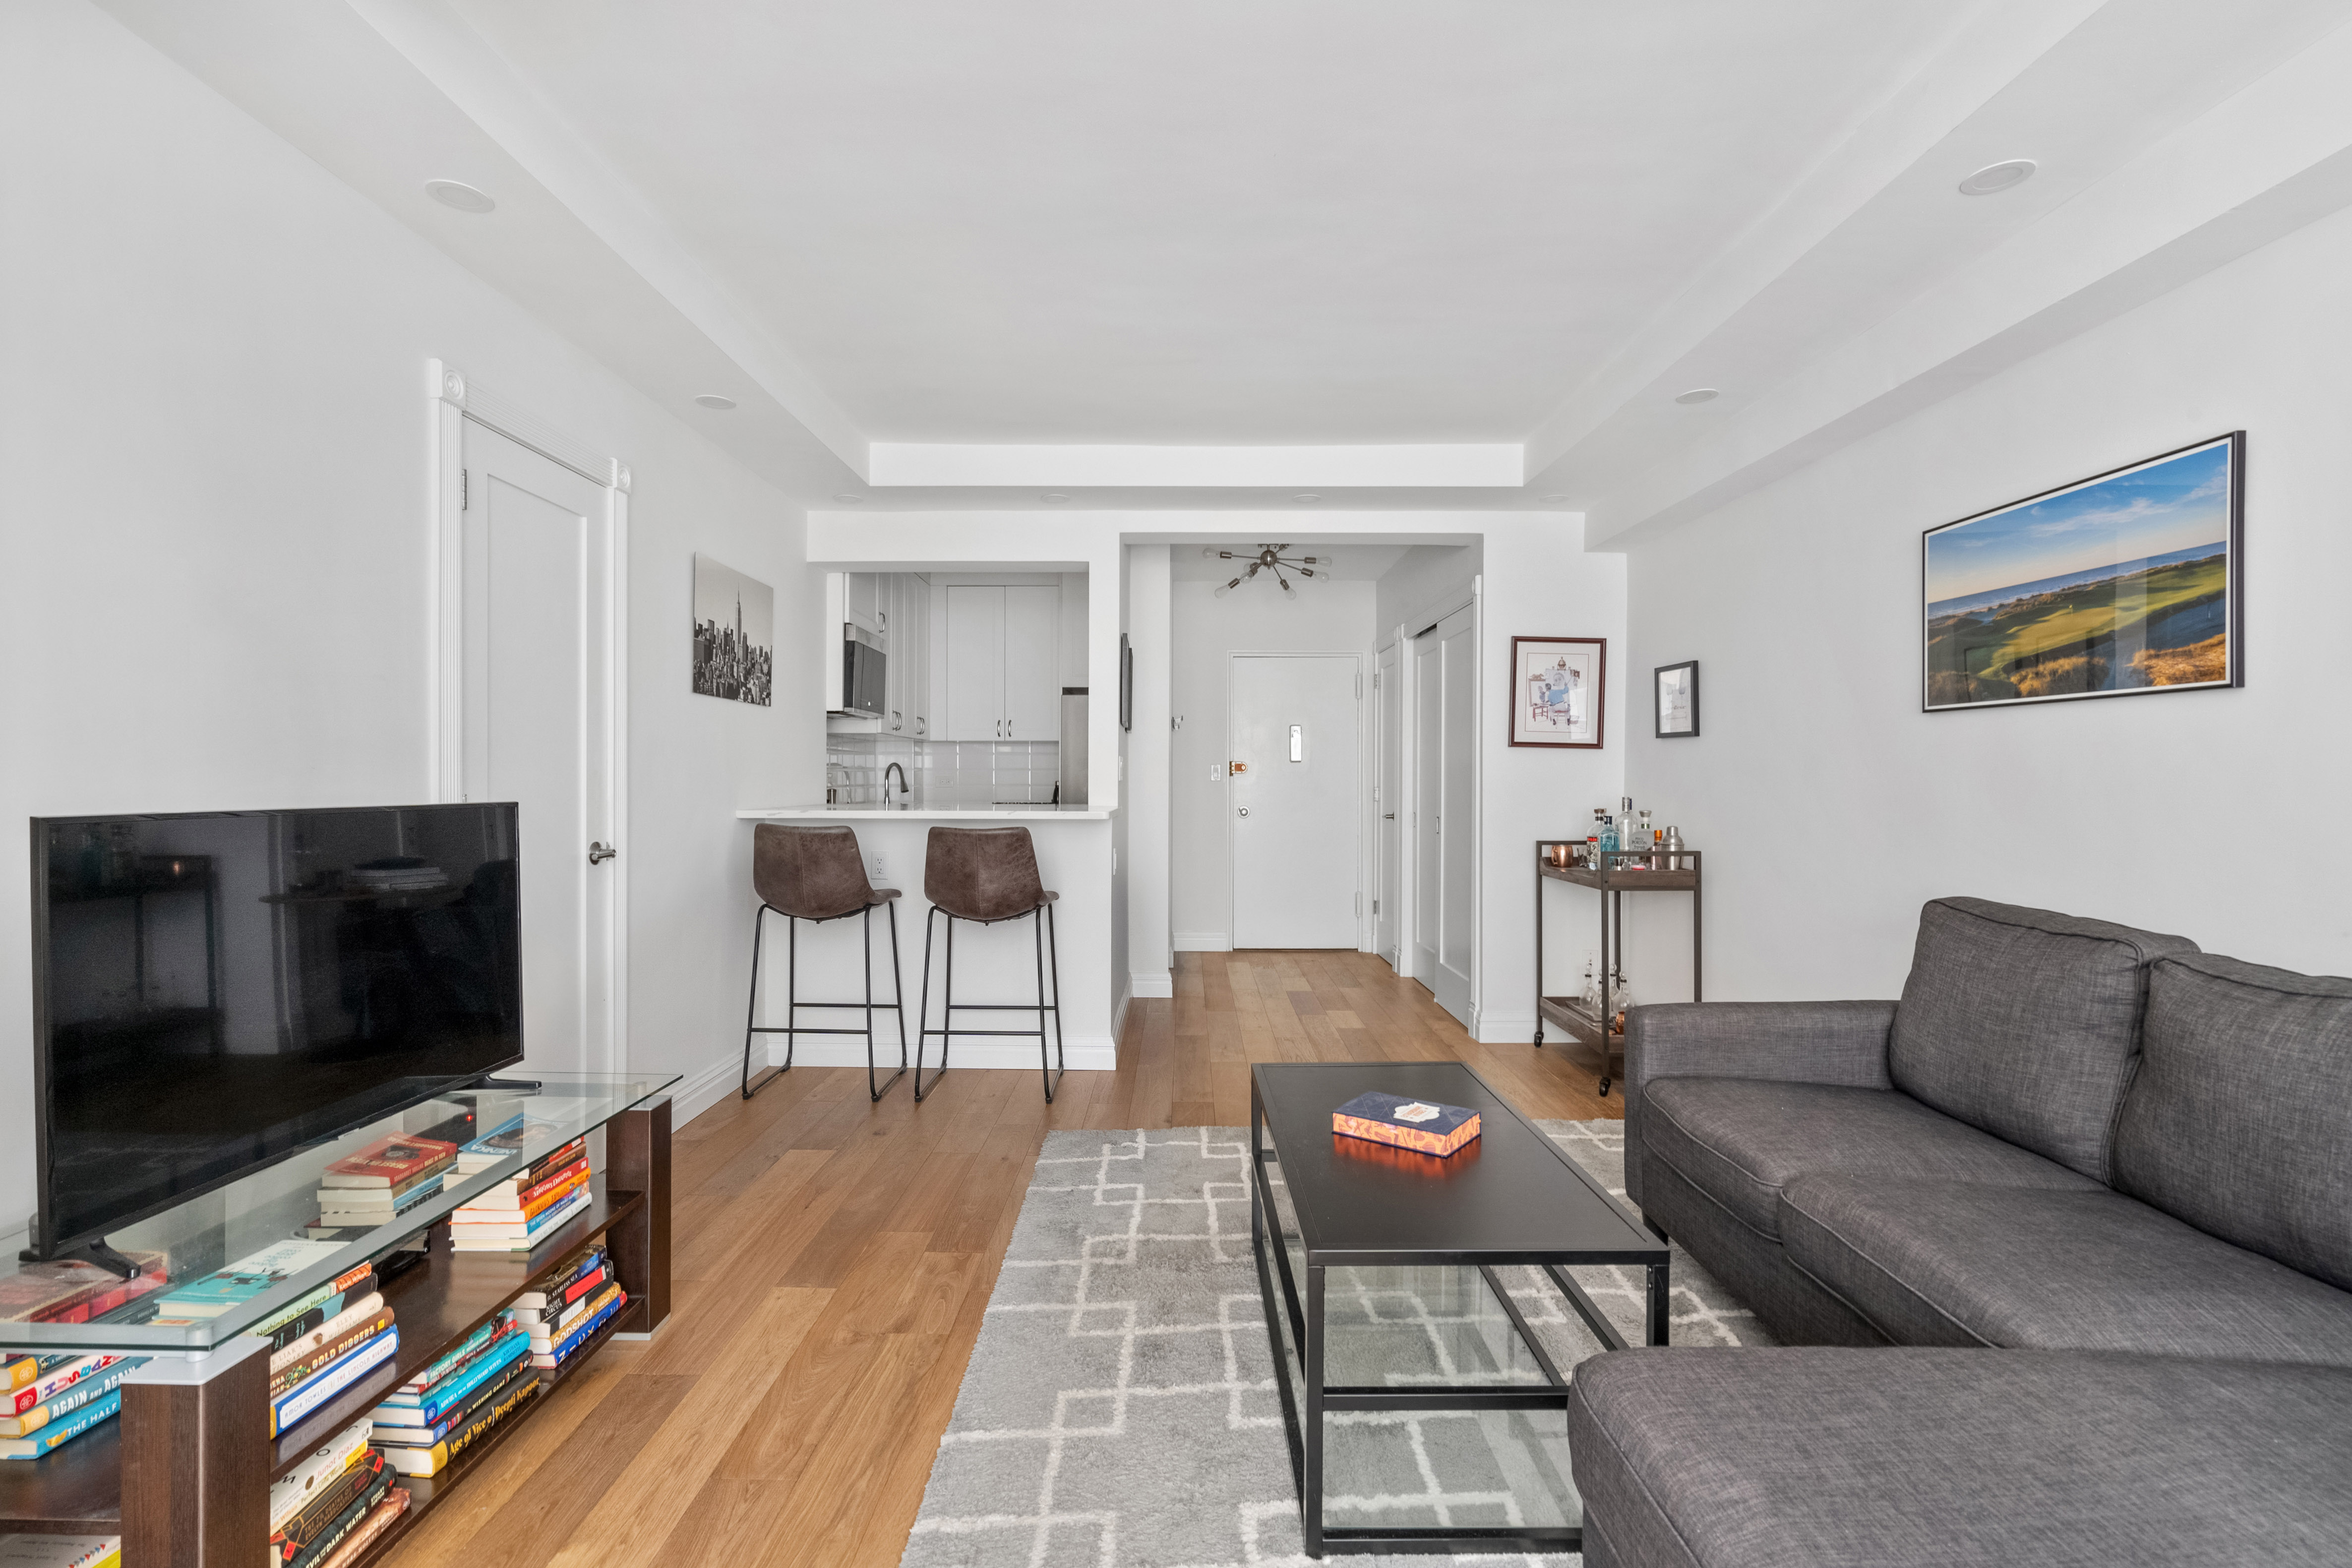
904	603
1003	667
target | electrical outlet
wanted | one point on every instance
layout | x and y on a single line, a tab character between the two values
880	874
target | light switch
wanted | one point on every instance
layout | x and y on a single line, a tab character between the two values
1216	773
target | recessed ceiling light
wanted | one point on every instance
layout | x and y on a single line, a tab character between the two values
459	195
714	400
1053	498
1995	178
1697	394
1307	499
846	498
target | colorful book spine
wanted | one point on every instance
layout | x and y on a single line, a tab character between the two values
50	1383
290	1409
24	1423
381	1518
510	1200
425	1436
434	1460
283	1328
298	1488
518	1237
572	1280
318	1517
340	1529
55	1436
358	1312
61	1552
301	1371
224	1290
447	1362
451	1392
611	1300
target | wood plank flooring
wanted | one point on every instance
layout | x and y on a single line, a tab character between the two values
832	1258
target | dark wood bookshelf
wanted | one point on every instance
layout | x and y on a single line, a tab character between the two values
80	1488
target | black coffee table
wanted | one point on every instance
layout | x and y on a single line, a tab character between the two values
1512	1196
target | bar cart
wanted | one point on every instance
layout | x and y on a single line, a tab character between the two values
1617	873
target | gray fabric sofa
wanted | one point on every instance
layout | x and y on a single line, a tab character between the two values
2079	1206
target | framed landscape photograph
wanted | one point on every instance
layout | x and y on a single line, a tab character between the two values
1677	695
1556	691
2127	582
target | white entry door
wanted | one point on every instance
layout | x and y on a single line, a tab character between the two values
1296	852
1446	829
1387	882
538	643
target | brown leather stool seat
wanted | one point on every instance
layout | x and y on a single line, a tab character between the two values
818	874
987	875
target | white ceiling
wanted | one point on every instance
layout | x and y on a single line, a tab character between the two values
1226	221
1397	255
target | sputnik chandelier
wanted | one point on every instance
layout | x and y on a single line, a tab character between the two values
1269	558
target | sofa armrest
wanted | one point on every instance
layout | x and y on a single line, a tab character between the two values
1840	1043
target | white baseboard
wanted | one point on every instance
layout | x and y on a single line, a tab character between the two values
1160	985
1085	1055
1494	1031
1201	941
1119	1014
697	1092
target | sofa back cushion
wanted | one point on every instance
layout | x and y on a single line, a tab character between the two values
2025	1022
2239	1120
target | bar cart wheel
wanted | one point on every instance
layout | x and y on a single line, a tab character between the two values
1604	1086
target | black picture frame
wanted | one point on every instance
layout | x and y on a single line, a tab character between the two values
1658	699
1988	646
1126	683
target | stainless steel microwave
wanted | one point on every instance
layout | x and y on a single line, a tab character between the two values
863	667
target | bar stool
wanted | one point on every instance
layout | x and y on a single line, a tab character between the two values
816	874
986	875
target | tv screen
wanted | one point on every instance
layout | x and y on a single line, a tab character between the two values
215	992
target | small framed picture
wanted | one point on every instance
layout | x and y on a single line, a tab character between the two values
1557	690
1678	701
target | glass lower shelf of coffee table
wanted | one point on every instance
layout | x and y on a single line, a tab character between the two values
274	1213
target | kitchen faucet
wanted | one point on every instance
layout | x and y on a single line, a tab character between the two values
895	768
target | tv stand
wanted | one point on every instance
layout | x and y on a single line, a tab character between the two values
525	1085
92	1251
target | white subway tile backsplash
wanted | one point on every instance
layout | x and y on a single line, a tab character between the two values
941	772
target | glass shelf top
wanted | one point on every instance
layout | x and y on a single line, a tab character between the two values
47	1308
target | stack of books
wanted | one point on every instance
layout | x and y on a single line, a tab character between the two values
224	1290
500	1143
324	1343
61	1552
452	1403
51	1400
528	1207
73	1291
331	1507
381	1182
564	1314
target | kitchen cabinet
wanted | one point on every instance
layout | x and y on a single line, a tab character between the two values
902	601
1003	664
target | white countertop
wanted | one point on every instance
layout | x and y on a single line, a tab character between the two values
869	812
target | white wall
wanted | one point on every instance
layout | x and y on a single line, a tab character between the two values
1429	580
1204	633
1145	850
214	586
1830	807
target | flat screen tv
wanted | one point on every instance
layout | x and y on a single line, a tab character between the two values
214	991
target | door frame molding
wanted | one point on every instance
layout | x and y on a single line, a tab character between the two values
455	398
1365	821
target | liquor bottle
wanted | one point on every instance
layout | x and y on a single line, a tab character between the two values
1589	997
1621	997
1608	833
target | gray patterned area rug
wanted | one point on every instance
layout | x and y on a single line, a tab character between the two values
1120	1410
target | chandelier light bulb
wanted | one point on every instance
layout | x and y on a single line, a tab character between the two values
1225	588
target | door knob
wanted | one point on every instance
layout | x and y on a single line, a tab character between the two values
1388	816
1245	811
598	853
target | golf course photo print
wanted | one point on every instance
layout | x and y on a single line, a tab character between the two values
2123	584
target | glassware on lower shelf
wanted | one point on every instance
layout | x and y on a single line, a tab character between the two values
1621	997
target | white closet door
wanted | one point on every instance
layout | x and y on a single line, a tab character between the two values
1428	802
536	659
975	665
1033	684
1388	884
1460	844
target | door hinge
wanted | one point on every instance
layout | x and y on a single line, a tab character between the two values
1376	906
465	491
1376	681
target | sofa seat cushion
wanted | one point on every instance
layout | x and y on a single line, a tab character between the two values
1860	1458
1740	1140
1946	1263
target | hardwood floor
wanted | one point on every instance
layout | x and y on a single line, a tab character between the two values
832	1258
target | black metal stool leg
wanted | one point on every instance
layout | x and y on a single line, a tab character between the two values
872	1092
752	1009
898	989
1061	1058
923	1017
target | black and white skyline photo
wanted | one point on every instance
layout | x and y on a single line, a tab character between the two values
734	633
